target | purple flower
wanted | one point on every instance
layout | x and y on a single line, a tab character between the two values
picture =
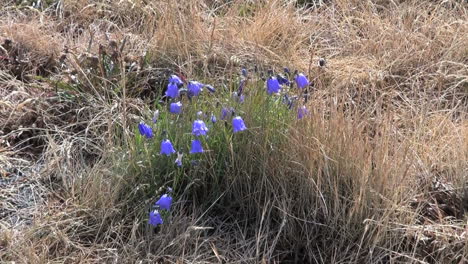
172	90
282	80
301	112
241	87
194	88
178	161
224	113
213	118
244	72
199	128
145	130
238	124
301	81
155	218
175	79
164	202
167	148
175	108
273	85
196	147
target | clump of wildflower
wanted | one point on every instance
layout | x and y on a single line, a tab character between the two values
238	124
145	130
196	147
167	148
175	108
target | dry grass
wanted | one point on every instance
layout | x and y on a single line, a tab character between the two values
378	175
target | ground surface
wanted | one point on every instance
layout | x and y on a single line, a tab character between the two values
378	175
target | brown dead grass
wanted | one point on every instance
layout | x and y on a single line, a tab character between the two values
390	129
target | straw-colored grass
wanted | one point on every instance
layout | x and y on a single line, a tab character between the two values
377	173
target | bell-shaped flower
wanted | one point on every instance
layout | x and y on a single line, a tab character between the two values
238	124
178	161
196	147
175	79
155	218
199	128
194	88
301	112
273	85
164	202
175	108
241	87
145	130
167	148
282	80
301	81
244	72
172	90
213	118
224	113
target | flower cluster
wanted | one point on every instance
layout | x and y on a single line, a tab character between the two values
275	84
164	203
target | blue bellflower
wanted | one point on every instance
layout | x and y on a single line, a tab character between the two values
238	124
301	112
178	161
199	128
282	80
194	88
273	85
244	72
167	148
155	218
224	113
145	130
175	108
196	147
172	90
213	118
301	81
164	202
175	79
